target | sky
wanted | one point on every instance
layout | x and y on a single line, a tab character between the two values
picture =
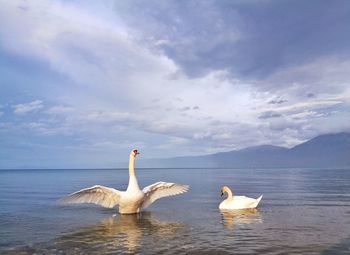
84	82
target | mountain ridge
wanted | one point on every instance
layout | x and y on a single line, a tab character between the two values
327	150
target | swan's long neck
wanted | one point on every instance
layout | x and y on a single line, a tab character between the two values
229	193
132	178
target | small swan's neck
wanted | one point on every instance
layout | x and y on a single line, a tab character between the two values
132	178
229	192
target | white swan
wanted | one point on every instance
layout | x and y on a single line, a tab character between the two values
237	202
130	201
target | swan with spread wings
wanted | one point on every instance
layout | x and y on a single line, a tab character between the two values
130	201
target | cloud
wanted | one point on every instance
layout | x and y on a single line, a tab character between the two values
248	38
185	109
323	75
177	78
60	109
269	114
22	109
277	101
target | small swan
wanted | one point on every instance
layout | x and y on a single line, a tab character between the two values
237	202
130	201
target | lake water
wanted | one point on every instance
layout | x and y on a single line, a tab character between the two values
303	211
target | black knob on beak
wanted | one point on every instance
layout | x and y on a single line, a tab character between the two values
222	194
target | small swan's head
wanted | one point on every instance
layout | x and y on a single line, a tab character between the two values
134	152
225	189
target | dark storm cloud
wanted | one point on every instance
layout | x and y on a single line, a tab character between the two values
251	39
277	101
310	95
269	115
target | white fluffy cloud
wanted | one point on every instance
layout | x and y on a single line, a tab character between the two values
22	109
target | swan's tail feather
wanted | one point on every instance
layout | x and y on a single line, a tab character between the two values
258	201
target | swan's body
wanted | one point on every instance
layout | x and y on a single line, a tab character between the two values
130	201
237	202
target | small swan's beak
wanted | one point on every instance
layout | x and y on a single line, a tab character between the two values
222	193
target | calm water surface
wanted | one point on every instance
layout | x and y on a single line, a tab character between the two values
303	211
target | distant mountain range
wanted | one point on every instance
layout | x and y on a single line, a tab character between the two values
324	151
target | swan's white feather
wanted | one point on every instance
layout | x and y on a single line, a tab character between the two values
240	202
237	202
130	201
100	195
161	189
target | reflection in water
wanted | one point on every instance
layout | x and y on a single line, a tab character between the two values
230	218
122	233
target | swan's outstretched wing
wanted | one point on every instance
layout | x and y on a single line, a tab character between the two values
100	195
162	189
